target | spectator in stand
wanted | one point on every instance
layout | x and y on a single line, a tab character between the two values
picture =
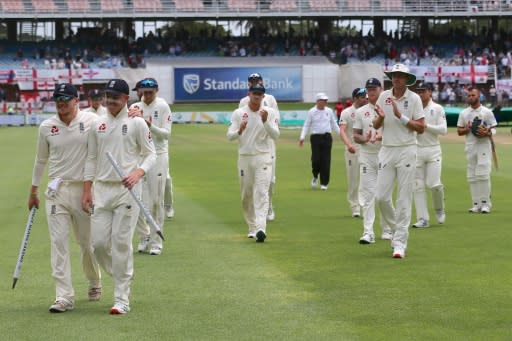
339	108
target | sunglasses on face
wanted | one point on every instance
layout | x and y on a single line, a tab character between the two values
64	99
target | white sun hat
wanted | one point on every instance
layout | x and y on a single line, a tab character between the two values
401	68
321	96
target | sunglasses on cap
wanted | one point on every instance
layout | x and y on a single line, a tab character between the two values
361	92
148	83
62	98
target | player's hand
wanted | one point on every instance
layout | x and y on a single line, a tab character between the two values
149	122
301	143
87	202
263	115
379	111
351	149
33	201
135	111
131	179
243	125
395	108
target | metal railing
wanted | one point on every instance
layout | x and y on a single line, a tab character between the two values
94	9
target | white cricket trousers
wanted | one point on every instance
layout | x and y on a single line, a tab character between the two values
113	223
369	167
428	175
255	172
352	170
64	212
396	164
153	191
479	169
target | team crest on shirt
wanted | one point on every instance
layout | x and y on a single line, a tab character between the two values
155	115
353	115
406	105
54	130
367	114
102	128
245	116
81	127
124	129
389	100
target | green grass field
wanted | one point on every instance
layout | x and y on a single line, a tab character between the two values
310	280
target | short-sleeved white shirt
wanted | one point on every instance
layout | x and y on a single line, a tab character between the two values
468	115
394	133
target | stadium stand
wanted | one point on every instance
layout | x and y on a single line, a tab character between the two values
391	5
111	5
324	5
189	5
147	5
78	5
13	6
44	5
283	5
242	5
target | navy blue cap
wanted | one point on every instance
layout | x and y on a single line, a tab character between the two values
137	86
424	86
373	83
254	77
257	88
118	86
65	89
95	93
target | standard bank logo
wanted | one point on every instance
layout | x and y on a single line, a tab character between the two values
191	83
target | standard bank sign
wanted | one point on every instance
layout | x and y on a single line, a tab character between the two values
230	84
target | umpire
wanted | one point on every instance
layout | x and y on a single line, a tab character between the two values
320	121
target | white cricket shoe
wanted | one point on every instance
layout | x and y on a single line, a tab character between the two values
61	305
143	244
421	223
155	251
441	216
314	182
119	309
367	239
485	209
398	252
323	187
474	209
386	235
169	212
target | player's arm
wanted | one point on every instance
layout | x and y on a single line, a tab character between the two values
42	155
345	138
378	121
162	128
235	129
305	129
91	163
463	128
270	123
440	127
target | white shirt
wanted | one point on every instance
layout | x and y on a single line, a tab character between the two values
394	133
159	113
100	111
468	115
127	139
348	117
255	139
435	120
62	147
319	122
364	120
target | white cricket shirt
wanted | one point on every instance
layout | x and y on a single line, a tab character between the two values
364	120
468	115
347	117
435	120
319	122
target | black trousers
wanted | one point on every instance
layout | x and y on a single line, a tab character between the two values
321	145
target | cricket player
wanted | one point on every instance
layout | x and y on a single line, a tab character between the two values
370	140
62	145
400	114
346	122
254	125
478	124
429	159
158	117
268	101
96	100
115	211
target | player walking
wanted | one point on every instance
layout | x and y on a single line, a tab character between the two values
115	211
62	145
429	159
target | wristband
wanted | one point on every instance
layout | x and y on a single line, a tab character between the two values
404	119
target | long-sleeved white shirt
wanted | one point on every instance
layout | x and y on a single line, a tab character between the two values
364	121
435	120
468	115
159	113
255	139
63	148
319	122
394	133
127	139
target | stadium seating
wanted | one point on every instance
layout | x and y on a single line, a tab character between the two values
283	5
391	5
324	5
12	5
147	5
189	5
241	5
44	5
111	5
78	5
358	5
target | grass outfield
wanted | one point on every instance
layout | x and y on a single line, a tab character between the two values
310	280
